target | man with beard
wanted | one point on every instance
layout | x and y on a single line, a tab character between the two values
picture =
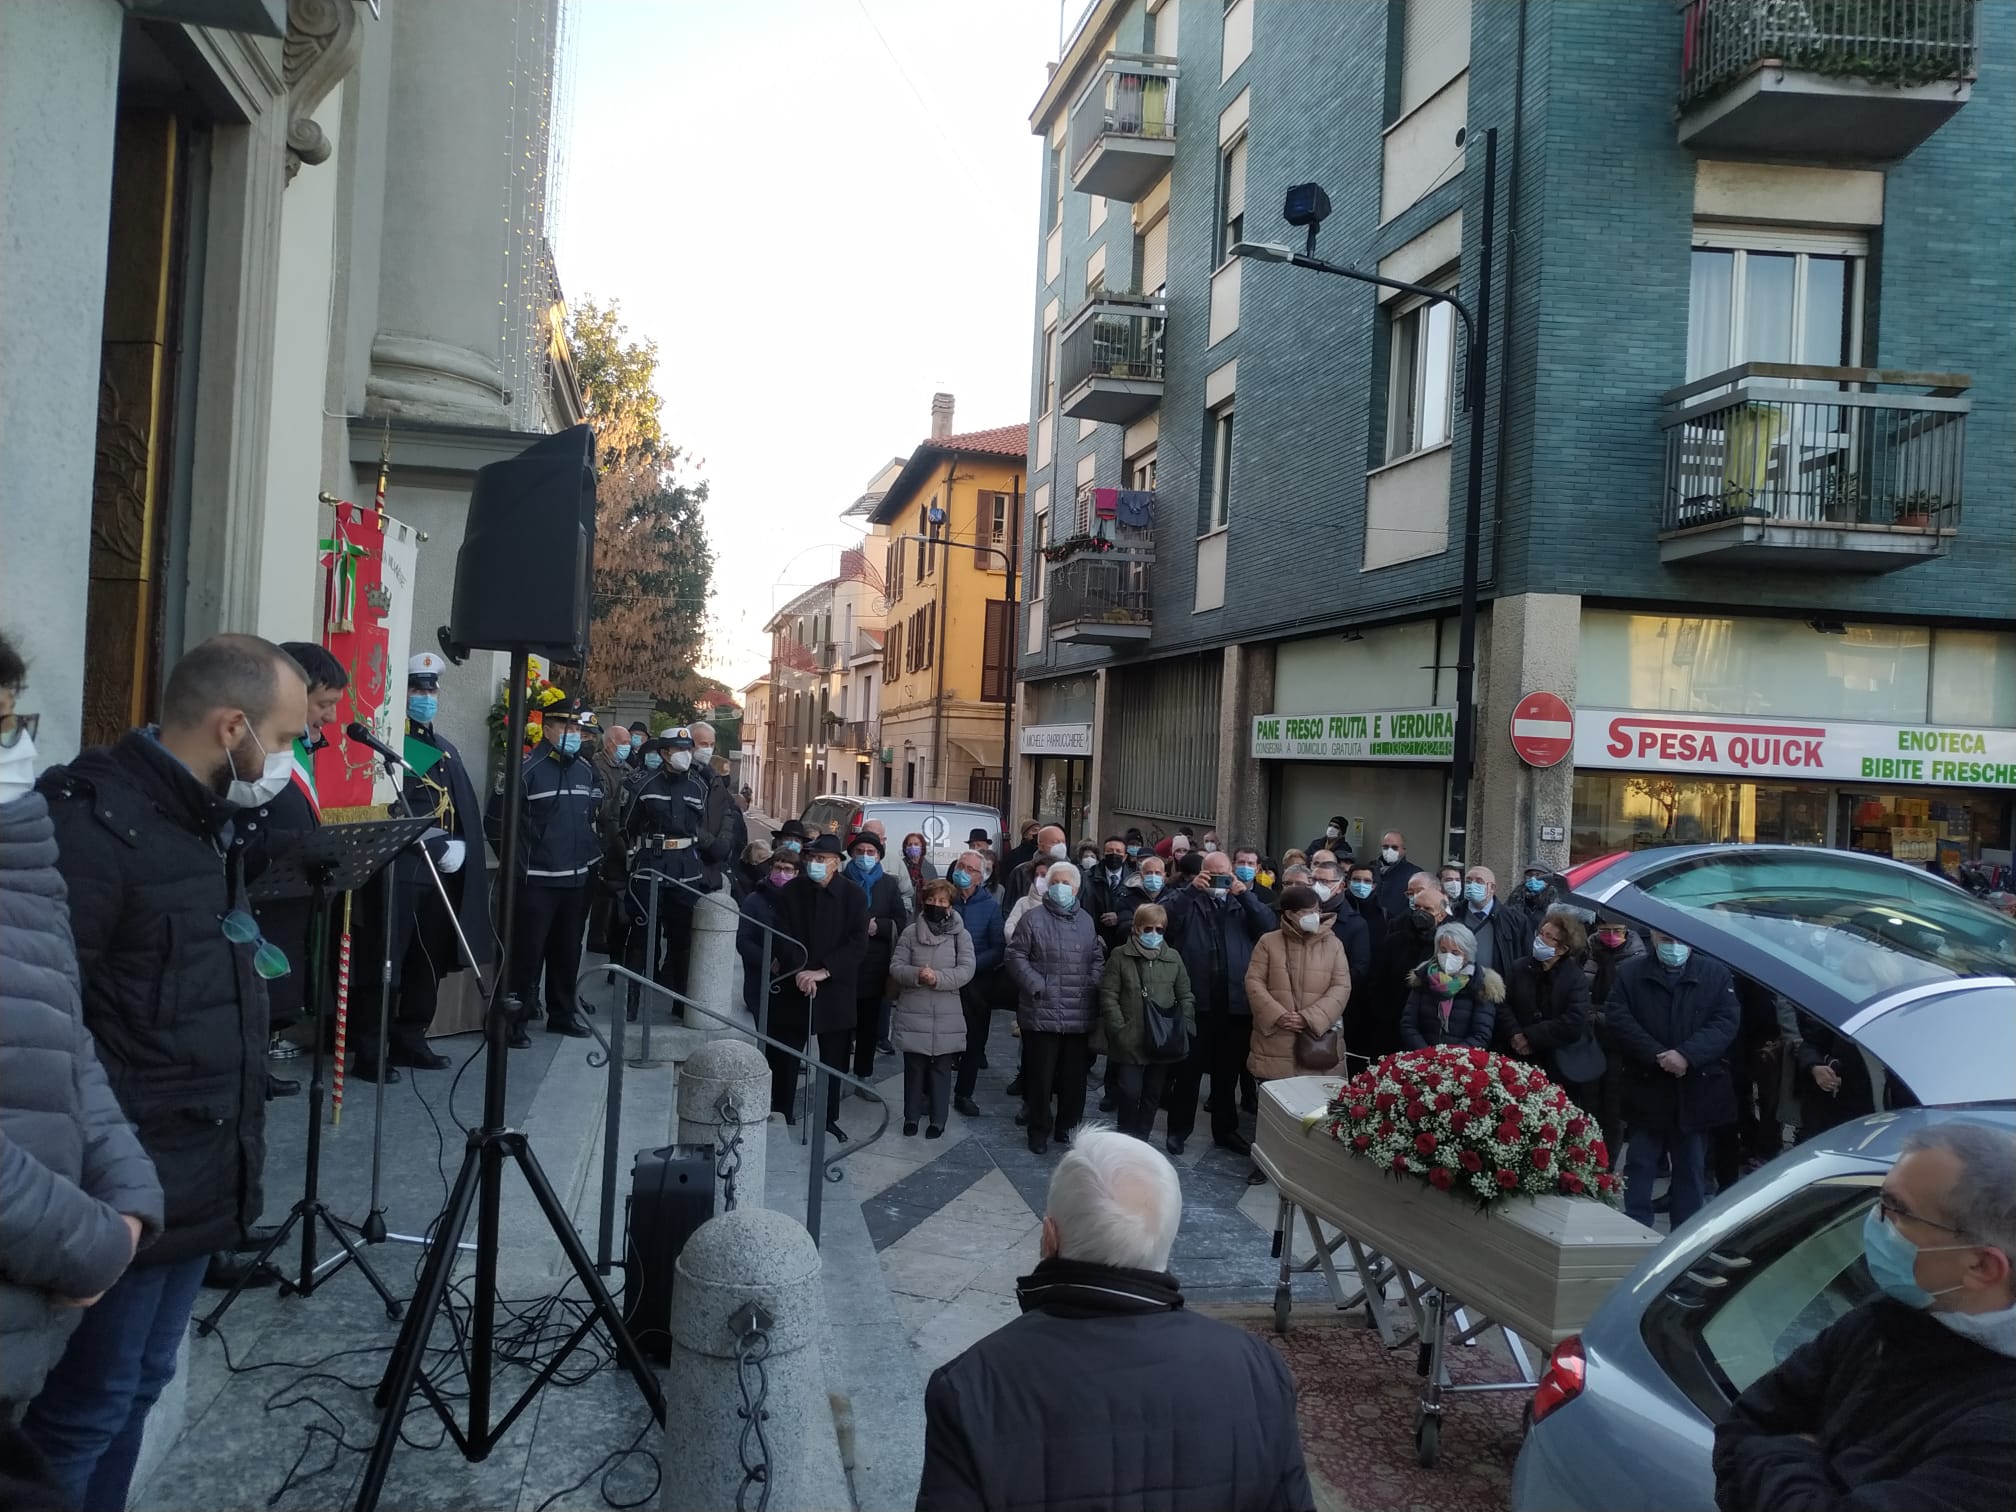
173	968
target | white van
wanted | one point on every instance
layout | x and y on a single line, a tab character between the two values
944	826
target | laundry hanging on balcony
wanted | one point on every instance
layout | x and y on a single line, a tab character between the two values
1133	507
1105	503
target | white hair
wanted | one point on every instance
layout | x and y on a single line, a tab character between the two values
1115	1200
1064	871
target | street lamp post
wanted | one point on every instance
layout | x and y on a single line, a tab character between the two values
1306	206
1007	666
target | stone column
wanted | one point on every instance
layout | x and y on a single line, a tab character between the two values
710	976
59	84
751	1256
722	1076
464	186
1246	688
1534	644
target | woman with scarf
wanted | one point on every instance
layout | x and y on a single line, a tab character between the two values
933	959
1451	1001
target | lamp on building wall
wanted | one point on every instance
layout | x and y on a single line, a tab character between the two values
1307	206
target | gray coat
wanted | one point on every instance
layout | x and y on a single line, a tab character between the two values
1055	961
70	1164
929	1020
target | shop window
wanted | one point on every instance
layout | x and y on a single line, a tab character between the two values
1623	811
1974	678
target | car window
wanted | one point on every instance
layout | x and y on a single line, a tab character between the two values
1763	1289
824	816
1959	1045
1857	929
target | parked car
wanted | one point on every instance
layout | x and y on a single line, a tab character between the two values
1905	974
944	826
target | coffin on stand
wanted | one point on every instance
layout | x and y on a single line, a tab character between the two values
1538	1265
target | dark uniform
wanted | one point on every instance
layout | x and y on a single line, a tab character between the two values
559	855
664	824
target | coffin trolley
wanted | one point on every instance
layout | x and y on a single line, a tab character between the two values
1534	1269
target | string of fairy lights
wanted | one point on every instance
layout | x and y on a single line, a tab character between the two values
534	135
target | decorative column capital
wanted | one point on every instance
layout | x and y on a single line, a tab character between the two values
324	38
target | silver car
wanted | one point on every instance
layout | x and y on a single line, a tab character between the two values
1911	986
943	825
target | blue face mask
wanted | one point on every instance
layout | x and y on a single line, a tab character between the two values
653	761
1133	850
1245	873
1152	882
570	743
816	870
1536	884
1474	891
1893	1261
789	845
1361	889
622	749
1151	939
1542	951
962	879
1063	895
1673	953
422	707
867	868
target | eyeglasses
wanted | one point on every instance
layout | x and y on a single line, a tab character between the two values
14	726
1892	1210
269	960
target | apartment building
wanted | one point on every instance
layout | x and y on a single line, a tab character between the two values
1746	503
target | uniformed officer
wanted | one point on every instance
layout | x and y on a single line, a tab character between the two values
558	858
665	826
425	947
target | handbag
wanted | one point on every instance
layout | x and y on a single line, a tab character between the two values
1162	1036
1320	1052
1583	1061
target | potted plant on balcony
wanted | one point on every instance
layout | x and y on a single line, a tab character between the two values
1075	546
1915	509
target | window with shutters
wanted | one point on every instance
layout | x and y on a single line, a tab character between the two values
990	520
892	653
896	571
1231	195
1434	49
1219	435
1045	377
930	634
1056	188
997	655
1152	249
1421	377
1039	537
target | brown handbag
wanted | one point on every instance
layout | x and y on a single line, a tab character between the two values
1320	1052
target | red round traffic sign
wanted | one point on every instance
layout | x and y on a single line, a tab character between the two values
1543	729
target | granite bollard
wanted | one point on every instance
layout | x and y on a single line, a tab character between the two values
710	974
747	1321
722	1076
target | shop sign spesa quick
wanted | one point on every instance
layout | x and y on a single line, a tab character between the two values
1375	735
1740	745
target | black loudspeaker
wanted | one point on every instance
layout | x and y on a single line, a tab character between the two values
671	1195
523	578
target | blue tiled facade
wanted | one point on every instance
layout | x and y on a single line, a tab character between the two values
1595	214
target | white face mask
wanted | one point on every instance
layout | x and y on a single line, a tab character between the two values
1060	851
680	760
1323	890
1389	854
17	768
1310	922
267	786
1451	962
703	754
1331	832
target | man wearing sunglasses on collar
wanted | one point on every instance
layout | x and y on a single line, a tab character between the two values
174	996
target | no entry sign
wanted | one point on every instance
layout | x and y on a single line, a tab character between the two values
1543	729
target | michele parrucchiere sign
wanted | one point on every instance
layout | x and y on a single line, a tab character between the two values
1368	735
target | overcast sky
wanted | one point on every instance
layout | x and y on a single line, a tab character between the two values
821	227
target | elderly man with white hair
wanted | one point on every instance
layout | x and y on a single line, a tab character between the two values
1909	1401
1107	1392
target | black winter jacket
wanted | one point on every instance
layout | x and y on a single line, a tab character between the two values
1103	896
1549	1007
1507	928
1107	1393
69	1162
1885	1408
271	830
440	786
886	912
177	1010
832	922
1216	937
1473	1012
1692	1010
563	798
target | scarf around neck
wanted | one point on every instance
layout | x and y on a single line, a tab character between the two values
1079	1286
1445	984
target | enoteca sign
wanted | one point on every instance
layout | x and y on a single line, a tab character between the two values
1371	735
1056	740
1839	750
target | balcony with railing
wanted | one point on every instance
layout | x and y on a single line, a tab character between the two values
1122	137
1110	359
1097	602
853	735
1839	80
1832	469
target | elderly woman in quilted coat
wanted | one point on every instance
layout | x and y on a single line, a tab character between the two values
933	959
1056	960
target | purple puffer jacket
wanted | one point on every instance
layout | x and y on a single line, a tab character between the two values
1055	961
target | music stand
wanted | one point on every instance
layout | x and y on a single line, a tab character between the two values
335	858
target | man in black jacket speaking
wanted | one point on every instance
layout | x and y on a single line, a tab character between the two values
1106	1392
173	966
1909	1400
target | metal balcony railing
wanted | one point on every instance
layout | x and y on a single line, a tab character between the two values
854	735
1895	42
1094	599
1133	96
1111	355
1819	446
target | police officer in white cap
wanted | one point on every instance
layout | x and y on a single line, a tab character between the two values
424	944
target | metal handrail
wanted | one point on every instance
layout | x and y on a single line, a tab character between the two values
1722	41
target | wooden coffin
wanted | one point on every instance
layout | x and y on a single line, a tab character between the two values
1539	1265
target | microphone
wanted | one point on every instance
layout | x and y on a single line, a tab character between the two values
361	733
